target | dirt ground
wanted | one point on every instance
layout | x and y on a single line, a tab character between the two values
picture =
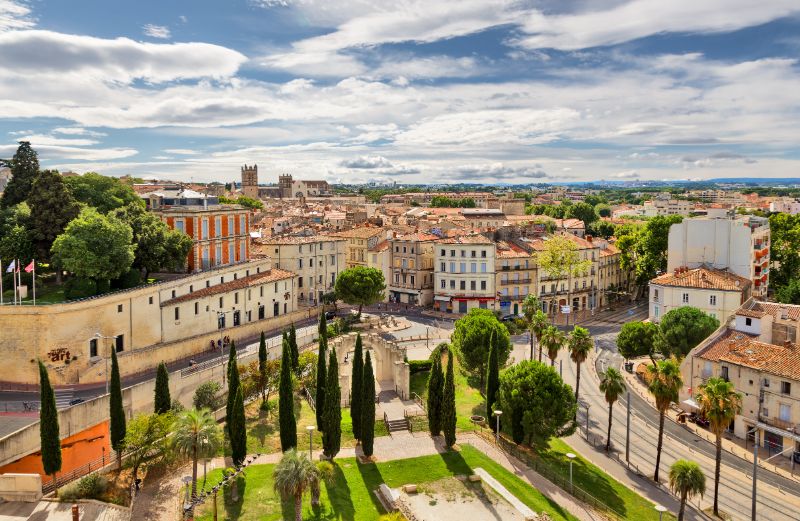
452	499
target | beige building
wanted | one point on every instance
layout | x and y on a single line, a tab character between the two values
359	241
464	274
166	321
663	207
759	354
516	277
716	292
316	260
379	257
411	276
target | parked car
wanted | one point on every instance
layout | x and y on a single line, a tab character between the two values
330	315
76	401
509	318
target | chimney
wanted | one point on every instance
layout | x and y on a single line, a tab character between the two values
589	238
788	344
676	271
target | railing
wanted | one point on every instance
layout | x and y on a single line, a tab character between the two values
386	423
418	400
511	282
309	398
781	424
83	470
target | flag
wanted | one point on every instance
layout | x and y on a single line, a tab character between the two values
11	267
29	267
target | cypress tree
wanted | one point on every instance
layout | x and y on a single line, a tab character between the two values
286	419
435	392
262	366
492	382
368	408
236	423
319	399
356	388
162	399
24	167
48	426
332	436
322	329
117	413
295	349
449	404
233	386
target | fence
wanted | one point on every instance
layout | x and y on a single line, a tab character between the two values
83	470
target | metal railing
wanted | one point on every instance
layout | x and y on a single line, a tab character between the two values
79	472
511	282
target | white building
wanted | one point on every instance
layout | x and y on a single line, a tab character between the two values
316	260
785	205
716	292
464	274
740	245
663	207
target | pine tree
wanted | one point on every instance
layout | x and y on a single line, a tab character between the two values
117	413
295	349
492	382
332	436
162	399
262	366
449	404
435	391
356	387
48	426
319	398
236	427
286	419
52	209
24	166
368	408
233	386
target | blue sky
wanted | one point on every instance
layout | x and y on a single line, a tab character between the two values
410	91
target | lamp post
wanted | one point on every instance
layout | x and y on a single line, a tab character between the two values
187	505
571	457
221	316
497	414
660	509
310	430
98	336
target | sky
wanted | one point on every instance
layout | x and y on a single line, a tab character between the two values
412	91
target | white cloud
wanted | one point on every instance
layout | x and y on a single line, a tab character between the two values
366	162
50	152
157	31
77	131
14	15
499	171
181	151
628	174
37	140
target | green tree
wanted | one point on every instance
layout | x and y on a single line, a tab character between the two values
249	202
492	379
332	435
368	408
789	293
94	246
322	374
582	211
612	385
356	387
602	229
435	394
580	344
360	286
293	345
117	411
206	396
52	208
686	479
146	440
286	419
102	192
560	259
49	437
784	249
536	403
637	339
449	404
162	399
532	314
682	329
15	240
720	403
233	386
196	435
553	340
472	335
293	476
664	382
645	250
24	167
236	428
262	366
602	210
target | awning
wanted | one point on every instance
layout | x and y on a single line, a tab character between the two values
442	298
689	402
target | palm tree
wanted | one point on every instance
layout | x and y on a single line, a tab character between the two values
552	340
580	344
325	472
720	403
539	323
196	434
530	308
612	385
664	381
686	479
293	476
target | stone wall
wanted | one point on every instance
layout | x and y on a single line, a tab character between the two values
20	487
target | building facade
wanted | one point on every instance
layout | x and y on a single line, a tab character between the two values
359	242
718	293
515	278
411	276
250	181
663	207
464	274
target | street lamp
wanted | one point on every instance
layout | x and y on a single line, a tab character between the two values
99	336
187	505
310	430
497	414
221	315
571	457
661	509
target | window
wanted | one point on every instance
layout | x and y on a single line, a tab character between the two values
483	253
92	347
463	267
119	308
785	413
237	318
236	298
463	253
656	311
786	388
473	267
472	285
120	343
196	308
221	303
444	284
217	226
397	278
204	231
483	267
230	227
483	285
299	282
218	253
473	254
748	321
242	228
712	300
177	313
443	267
180	225
725	373
149	300
452	267
231	251
242	250
766	383
452	253
452	284
442	253
543	290
685	298
404	249
463	284
412	280
299	264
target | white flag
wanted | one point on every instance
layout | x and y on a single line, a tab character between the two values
11	266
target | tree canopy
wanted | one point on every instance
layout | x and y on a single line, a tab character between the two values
582	211
560	258
24	166
682	329
360	286
637	339
52	208
101	192
472	335
644	250
784	252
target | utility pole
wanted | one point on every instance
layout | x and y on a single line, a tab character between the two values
755	451
628	431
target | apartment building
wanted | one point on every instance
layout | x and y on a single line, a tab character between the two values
359	242
317	261
759	354
718	196
717	292
739	244
464	274
663	207
379	257
411	274
516	277
788	205
612	280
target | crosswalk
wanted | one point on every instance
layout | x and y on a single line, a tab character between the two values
63	397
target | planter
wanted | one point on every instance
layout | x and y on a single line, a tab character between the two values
477	419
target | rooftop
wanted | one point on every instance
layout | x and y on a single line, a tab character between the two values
702	278
742	349
362	232
308	239
271	275
466	239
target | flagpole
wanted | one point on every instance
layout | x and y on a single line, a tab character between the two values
19	281
34	281
1	282
14	279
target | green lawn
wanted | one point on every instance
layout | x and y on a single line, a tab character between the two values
469	400
350	498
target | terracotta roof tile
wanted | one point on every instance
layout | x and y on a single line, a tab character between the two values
703	278
742	349
272	275
362	232
466	239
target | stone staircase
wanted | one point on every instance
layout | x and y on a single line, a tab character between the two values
396	425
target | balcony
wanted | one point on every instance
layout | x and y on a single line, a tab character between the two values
781	424
512	282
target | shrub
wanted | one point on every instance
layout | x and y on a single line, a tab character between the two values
103	286
417	366
131	279
207	396
176	406
92	486
76	288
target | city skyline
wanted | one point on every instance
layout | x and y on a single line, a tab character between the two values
515	92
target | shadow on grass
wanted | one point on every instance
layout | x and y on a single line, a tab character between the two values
373	479
339	495
233	509
455	463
